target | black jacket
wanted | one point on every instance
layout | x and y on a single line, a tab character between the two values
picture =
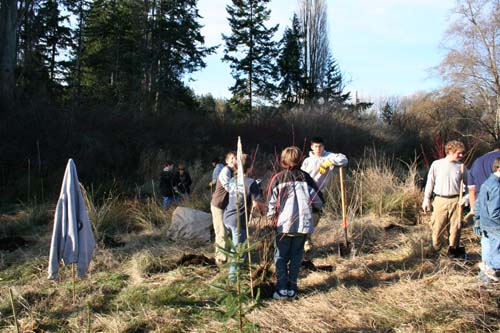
167	183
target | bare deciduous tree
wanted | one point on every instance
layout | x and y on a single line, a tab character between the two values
314	21
473	57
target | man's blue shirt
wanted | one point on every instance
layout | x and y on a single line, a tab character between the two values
481	169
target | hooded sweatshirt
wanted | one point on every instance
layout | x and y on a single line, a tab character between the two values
72	237
312	163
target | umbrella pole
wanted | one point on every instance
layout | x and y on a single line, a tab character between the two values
342	197
73	273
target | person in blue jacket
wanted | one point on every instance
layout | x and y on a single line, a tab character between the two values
487	224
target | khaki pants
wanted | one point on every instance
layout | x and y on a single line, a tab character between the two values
444	222
309	243
220	232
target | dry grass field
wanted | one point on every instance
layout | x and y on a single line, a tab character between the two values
389	281
386	280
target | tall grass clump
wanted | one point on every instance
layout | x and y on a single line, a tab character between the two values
378	185
106	212
147	214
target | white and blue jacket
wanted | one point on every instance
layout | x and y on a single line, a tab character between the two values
292	196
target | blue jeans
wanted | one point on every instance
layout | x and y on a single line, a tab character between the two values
236	241
167	201
288	254
490	250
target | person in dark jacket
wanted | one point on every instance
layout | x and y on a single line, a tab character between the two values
167	184
183	182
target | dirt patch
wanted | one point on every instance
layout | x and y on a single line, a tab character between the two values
309	265
195	259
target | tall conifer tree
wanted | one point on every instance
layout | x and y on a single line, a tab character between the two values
251	51
290	64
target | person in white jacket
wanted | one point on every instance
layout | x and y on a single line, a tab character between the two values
320	162
319	165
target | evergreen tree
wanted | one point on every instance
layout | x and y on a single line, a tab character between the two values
332	89
32	74
79	9
290	64
8	23
140	50
177	49
251	51
54	38
387	113
112	54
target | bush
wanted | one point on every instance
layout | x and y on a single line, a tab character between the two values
380	186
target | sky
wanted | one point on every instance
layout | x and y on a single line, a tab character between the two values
383	47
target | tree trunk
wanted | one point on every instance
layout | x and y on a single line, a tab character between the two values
8	22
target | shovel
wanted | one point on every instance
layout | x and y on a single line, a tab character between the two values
345	249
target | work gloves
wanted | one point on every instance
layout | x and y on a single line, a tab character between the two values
465	200
325	166
426	205
476	228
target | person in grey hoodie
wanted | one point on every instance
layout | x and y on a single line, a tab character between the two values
319	165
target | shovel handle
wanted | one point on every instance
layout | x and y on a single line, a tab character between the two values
342	198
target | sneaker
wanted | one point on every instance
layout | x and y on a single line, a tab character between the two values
292	294
488	271
220	261
308	246
280	294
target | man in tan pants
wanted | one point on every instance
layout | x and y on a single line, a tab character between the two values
220	199
443	182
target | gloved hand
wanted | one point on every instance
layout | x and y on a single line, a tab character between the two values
476	228
465	200
426	205
323	167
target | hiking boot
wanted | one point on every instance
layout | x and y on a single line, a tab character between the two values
457	252
488	271
292	294
280	294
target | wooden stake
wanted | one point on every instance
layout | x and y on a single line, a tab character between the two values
73	273
13	309
342	197
460	208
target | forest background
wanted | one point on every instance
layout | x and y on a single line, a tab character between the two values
103	82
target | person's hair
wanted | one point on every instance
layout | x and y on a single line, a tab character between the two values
318	139
290	157
496	164
216	160
496	145
453	146
246	162
168	162
231	153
